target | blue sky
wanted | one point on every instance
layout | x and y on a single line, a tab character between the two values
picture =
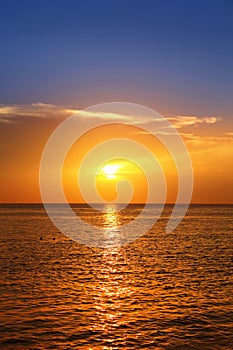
174	56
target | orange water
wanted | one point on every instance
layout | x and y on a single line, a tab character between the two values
163	291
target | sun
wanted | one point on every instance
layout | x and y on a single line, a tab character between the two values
131	180
109	171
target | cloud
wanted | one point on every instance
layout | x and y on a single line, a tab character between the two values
187	120
11	114
6	120
14	113
107	116
207	141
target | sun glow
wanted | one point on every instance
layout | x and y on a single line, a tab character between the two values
109	171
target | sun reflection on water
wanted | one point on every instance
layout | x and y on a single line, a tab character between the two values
111	217
111	225
111	289
113	285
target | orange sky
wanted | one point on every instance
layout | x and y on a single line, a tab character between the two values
24	131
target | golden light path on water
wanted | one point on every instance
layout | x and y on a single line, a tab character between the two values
110	290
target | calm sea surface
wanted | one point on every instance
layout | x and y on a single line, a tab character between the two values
163	291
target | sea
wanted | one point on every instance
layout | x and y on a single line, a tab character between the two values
161	291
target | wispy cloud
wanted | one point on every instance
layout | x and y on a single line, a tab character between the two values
181	121
14	113
11	114
116	117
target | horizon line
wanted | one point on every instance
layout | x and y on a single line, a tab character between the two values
97	203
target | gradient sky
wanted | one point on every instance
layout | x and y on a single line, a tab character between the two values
173	56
